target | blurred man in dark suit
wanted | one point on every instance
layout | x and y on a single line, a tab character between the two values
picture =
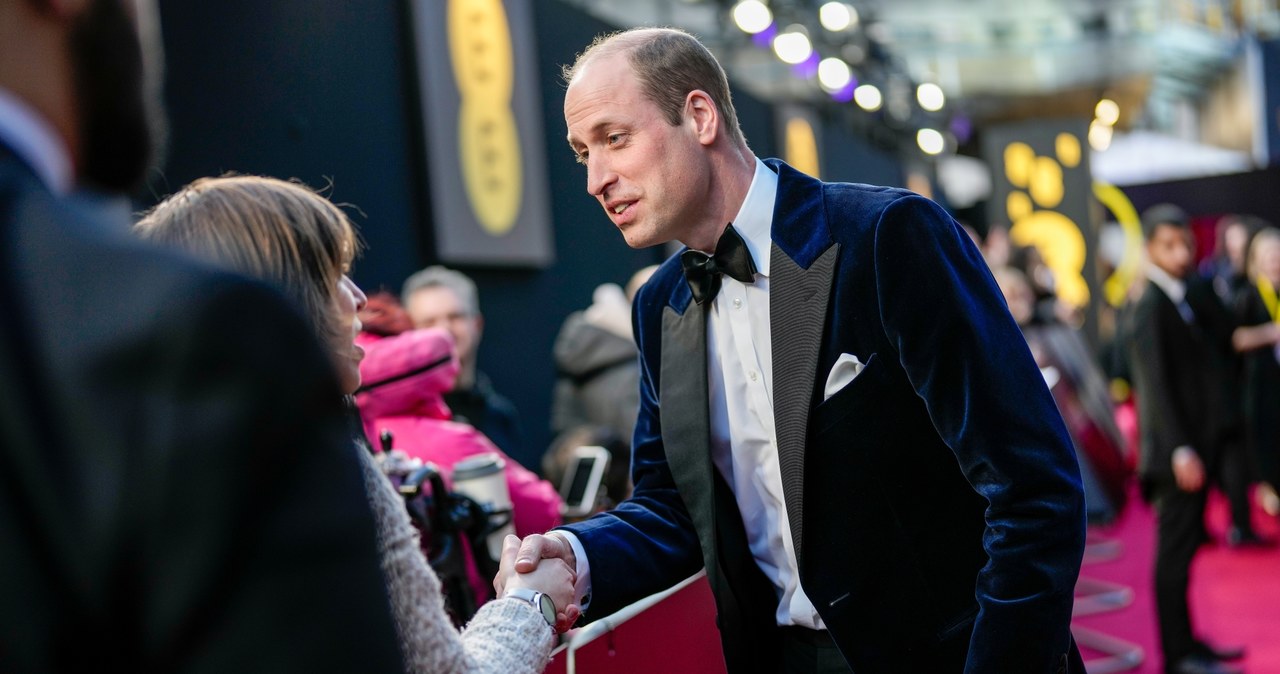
176	491
1178	346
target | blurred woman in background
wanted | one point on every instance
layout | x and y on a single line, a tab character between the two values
1258	338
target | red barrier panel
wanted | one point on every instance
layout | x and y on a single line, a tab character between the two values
670	631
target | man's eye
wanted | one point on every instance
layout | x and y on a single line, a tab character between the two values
615	138
580	157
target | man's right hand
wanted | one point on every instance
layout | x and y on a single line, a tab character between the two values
554	577
544	546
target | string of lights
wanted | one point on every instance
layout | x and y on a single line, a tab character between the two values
794	44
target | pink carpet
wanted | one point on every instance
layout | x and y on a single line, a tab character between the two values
1235	593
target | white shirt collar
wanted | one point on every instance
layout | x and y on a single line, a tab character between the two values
1176	289
34	141
755	218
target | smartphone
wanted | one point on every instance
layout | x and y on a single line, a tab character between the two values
582	480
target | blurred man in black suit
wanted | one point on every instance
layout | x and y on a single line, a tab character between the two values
1179	348
176	493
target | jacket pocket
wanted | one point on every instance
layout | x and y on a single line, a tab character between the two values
855	396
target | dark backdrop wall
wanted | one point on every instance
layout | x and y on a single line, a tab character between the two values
324	91
849	158
298	89
1253	193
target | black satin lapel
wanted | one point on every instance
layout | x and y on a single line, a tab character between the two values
798	301
683	411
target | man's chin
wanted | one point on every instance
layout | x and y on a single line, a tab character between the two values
638	239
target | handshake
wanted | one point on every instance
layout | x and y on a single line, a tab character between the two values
546	564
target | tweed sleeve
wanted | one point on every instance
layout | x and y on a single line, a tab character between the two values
505	637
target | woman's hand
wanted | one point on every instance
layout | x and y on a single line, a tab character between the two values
553	577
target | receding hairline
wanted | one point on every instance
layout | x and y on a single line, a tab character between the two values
627	44
620	42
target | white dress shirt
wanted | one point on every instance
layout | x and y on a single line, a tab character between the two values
35	142
744	446
1175	288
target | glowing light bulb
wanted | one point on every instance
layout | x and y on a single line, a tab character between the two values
752	16
792	47
930	141
834	74
1100	135
1107	112
868	97
837	16
930	96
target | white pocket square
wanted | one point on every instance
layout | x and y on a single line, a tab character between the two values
846	368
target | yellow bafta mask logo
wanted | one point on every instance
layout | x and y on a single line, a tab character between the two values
802	146
489	143
1038	189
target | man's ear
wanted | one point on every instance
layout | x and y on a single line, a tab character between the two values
702	113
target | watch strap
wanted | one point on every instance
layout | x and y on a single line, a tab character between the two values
535	599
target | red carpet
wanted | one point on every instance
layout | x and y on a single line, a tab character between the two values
1235	593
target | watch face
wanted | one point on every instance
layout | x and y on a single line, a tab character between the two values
548	609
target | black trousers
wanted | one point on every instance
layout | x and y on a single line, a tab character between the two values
1237	473
806	651
1179	533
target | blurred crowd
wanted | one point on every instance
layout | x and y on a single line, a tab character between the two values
1238	277
1180	392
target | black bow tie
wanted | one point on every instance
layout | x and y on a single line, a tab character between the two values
703	271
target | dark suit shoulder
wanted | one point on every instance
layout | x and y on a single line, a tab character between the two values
810	215
794	185
88	286
1151	294
871	196
854	209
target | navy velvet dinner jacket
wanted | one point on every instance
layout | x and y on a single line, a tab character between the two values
935	502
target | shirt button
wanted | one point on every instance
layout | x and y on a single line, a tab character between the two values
752	374
737	303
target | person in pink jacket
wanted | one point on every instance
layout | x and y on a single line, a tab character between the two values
405	376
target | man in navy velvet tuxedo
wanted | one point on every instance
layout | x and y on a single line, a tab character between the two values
839	419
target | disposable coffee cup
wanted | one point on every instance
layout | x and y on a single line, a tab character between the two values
482	479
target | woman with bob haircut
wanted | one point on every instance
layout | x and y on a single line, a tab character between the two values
289	236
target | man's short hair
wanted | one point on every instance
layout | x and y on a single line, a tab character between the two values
437	276
669	63
1162	214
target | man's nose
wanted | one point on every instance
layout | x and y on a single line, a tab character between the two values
599	176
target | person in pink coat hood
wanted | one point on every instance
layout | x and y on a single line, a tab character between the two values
404	378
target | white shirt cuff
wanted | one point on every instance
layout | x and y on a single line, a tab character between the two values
582	588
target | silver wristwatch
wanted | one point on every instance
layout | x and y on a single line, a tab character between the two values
540	601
